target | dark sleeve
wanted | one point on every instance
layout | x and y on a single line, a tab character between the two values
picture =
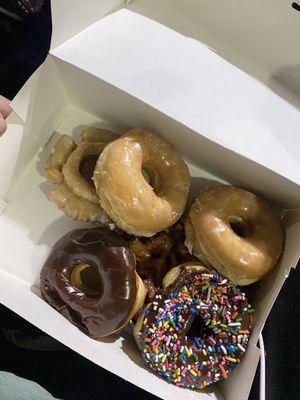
23	46
31	6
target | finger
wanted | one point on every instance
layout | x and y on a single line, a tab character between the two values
3	125
5	107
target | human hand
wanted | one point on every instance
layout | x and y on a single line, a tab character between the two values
5	110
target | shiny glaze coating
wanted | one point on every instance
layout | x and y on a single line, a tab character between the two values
100	315
244	258
121	179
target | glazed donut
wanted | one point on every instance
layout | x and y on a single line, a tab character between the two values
71	167
235	232
90	279
197	331
121	175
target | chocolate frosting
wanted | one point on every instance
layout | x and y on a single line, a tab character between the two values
102	249
197	323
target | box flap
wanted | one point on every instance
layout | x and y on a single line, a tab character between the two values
187	81
71	17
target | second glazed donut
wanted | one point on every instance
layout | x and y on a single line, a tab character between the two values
142	183
235	232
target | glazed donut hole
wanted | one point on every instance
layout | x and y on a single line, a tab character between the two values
149	177
240	226
153	179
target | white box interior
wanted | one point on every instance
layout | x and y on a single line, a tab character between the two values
95	79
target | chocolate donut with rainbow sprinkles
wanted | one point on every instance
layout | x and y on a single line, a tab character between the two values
197	330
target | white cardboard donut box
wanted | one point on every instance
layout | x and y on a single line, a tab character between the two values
150	64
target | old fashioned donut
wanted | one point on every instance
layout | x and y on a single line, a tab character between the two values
197	331
121	178
79	169
71	167
98	135
76	207
235	232
90	279
56	160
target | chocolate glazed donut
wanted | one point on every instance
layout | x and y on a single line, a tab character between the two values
90	279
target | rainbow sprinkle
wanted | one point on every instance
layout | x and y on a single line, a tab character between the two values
196	356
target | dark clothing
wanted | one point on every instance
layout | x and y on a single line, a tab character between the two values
31	6
24	44
22	7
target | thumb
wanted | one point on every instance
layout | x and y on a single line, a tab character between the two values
5	108
3	125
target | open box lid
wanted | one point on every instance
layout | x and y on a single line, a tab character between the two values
261	38
264	34
183	77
